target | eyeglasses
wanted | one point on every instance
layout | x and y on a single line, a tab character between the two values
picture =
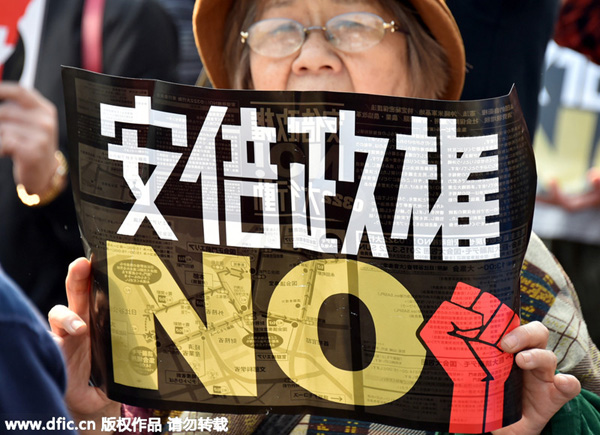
351	32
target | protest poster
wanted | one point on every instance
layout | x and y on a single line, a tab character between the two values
568	134
302	252
566	147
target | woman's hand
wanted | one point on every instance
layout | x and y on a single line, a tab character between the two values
70	330
544	392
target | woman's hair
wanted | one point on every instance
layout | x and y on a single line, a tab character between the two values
427	61
237	55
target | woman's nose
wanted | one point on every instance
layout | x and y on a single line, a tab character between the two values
316	55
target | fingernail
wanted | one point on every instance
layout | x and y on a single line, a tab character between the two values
526	357
509	342
76	324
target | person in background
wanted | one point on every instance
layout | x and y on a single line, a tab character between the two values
512	52
567	214
515	55
427	36
31	366
189	60
134	38
579	27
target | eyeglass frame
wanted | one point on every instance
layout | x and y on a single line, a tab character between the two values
391	26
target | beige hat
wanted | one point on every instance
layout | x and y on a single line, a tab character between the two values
209	31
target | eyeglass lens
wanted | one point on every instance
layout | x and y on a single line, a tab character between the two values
350	32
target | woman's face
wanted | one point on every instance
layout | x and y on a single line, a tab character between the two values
318	65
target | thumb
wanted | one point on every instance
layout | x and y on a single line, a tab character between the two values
78	287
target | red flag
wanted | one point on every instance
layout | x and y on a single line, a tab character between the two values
11	13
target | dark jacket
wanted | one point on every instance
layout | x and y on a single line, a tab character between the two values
505	42
31	366
139	40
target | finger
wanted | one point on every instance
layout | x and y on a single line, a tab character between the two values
12	112
57	338
504	321
593	175
586	200
565	388
33	153
578	202
26	141
540	362
64	322
78	286
554	188
552	194
568	385
12	91
531	335
41	118
9	142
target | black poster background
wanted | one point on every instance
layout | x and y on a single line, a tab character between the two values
103	199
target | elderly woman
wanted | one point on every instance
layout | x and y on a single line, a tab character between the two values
390	47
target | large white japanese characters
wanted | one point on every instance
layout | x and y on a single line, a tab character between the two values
461	211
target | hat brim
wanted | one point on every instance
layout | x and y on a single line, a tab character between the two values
210	17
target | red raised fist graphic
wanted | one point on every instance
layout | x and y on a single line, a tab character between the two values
464	335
